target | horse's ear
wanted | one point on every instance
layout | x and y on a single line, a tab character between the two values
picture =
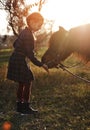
61	28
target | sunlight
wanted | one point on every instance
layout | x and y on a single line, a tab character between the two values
3	22
66	13
30	1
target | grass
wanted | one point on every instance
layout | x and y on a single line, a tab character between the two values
62	100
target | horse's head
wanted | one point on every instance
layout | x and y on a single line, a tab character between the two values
57	48
62	43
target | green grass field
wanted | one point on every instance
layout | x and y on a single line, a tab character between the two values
63	101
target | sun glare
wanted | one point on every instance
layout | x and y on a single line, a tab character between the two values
66	13
3	22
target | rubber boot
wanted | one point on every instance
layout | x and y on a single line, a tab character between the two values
28	110
19	107
24	108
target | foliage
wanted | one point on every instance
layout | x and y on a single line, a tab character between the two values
62	100
17	11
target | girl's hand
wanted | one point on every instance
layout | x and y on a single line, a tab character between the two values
45	67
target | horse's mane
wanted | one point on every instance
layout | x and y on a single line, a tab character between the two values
76	40
80	39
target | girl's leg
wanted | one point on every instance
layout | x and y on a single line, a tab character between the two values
27	92
23	94
20	92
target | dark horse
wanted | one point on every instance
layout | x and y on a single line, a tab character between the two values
63	43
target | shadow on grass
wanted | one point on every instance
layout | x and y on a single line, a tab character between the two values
61	106
4	56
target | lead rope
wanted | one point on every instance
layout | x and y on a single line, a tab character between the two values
76	76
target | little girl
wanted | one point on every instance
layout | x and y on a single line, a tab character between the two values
18	70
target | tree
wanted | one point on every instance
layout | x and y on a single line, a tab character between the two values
17	11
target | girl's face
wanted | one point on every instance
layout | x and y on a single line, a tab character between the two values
35	25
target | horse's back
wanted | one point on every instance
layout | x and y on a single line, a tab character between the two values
81	34
83	30
80	38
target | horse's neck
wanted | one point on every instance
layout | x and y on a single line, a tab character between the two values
66	49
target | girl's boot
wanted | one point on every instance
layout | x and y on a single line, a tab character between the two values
24	108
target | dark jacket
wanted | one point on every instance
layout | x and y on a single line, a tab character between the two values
23	47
